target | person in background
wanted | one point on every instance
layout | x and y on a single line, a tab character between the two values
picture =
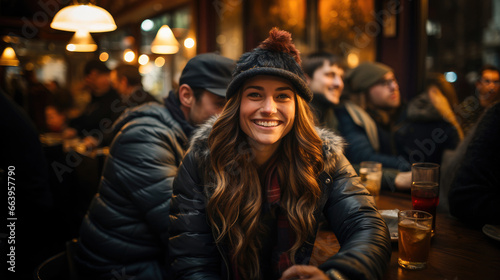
127	81
37	96
24	175
97	118
475	189
324	72
53	86
125	228
431	127
56	112
487	92
488	86
56	119
369	120
250	190
470	110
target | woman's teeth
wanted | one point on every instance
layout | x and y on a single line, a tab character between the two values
267	123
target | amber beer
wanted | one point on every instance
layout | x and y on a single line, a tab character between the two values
370	173
414	241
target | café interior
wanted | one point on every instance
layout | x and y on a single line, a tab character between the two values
414	37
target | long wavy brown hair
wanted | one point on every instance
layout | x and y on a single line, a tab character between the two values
234	209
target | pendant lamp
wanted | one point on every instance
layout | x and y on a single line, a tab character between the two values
83	15
9	57
81	42
165	42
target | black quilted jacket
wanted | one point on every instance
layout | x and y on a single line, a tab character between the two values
125	231
348	208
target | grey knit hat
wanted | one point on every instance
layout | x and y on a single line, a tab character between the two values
365	75
276	56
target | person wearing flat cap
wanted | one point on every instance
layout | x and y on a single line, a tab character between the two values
125	230
250	191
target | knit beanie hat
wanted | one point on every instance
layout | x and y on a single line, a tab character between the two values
276	56
365	75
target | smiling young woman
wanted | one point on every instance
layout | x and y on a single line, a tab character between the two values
249	194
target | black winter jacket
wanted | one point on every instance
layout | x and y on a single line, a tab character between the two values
125	229
346	204
475	191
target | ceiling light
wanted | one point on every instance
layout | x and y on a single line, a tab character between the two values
9	57
81	42
165	42
83	16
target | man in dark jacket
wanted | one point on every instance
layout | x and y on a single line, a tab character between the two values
94	123
325	72
127	81
125	231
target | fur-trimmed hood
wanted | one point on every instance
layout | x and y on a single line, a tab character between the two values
333	144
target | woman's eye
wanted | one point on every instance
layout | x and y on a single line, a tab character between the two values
284	96
253	94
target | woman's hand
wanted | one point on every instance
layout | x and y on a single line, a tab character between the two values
303	272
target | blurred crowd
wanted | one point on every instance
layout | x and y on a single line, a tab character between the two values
126	224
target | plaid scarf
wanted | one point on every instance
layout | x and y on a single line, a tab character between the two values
285	236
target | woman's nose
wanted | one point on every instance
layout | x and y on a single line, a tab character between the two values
269	106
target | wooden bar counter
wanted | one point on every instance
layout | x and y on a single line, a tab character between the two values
458	252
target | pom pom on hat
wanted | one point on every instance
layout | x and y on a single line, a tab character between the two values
275	56
280	41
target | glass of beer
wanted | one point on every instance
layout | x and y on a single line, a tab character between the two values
425	188
370	173
414	240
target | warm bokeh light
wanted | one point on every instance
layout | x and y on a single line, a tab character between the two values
352	60
143	59
104	56
159	61
189	43
29	66
129	56
71	47
221	39
145	69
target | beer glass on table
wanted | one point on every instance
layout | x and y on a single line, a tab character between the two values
425	188
414	240
370	173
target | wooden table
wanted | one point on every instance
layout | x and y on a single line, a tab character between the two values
458	252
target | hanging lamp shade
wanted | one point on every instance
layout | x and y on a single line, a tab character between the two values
86	16
81	42
9	57
165	42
